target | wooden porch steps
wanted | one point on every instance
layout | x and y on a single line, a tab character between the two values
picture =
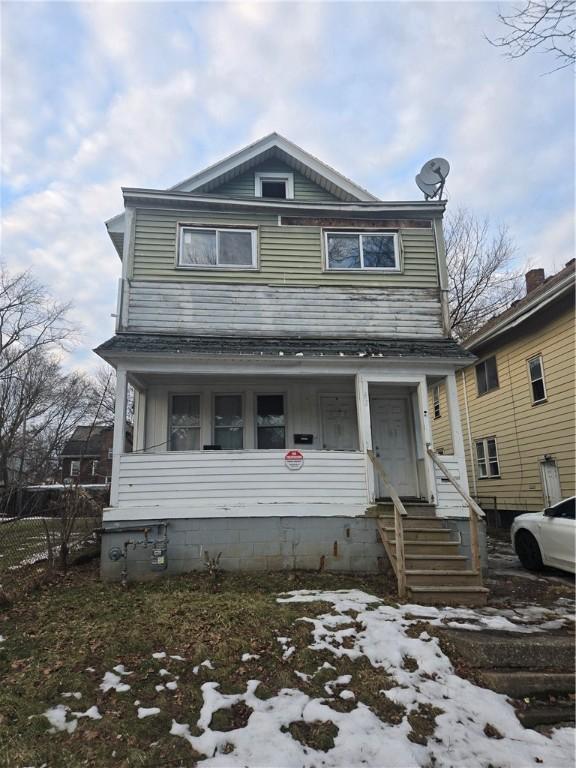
435	572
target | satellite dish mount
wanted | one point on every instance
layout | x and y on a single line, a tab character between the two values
432	178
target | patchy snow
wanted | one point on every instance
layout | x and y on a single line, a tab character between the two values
178	658
160	687
58	717
72	694
250	656
164	672
112	681
147	712
2	639
89	669
159	655
206	663
347	695
172	685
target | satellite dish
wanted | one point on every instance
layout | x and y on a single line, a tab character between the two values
432	177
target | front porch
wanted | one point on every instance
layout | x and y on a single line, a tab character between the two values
216	445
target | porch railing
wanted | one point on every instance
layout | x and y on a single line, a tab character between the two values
399	513
476	513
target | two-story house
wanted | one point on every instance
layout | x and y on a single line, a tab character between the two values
517	401
278	324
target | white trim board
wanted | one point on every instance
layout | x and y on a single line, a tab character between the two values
129	514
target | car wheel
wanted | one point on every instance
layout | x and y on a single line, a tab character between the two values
528	551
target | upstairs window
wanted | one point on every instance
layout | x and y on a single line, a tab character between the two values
279	186
487	458
436	399
536	373
362	251
203	248
487	375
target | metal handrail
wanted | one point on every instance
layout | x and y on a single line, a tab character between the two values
399	513
476	512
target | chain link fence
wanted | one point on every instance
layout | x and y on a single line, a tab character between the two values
44	531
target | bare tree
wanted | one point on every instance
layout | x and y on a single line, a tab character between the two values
39	406
104	383
544	25
480	278
30	318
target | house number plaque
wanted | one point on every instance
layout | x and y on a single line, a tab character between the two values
294	459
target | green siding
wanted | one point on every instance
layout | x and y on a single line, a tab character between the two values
290	255
243	185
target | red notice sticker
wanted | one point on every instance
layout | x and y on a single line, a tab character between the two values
294	459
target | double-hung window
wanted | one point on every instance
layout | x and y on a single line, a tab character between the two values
362	251
487	375
229	422
184	423
74	467
536	373
270	421
487	458
436	400
207	248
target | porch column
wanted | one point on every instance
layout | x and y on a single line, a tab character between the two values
365	431
118	444
139	436
456	427
426	431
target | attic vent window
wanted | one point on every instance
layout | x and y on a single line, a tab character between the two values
278	186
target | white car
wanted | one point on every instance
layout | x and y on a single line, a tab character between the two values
547	537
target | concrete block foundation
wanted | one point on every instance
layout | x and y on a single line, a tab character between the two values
347	544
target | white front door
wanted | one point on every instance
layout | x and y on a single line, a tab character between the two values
394	445
339	423
550	482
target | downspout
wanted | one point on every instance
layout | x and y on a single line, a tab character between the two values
472	462
442	274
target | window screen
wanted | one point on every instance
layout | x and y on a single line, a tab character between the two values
270	421
184	426
228	422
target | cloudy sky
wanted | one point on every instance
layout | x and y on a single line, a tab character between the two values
102	95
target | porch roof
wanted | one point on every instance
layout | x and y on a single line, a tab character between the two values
161	344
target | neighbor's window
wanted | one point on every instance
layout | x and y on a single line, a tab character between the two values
348	250
487	375
184	423
226	248
536	373
74	468
94	468
487	458
228	422
436	398
270	421
279	186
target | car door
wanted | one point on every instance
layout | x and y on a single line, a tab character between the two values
557	536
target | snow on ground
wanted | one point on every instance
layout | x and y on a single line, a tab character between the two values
359	625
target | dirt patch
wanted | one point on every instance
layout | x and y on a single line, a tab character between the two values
236	716
317	735
423	723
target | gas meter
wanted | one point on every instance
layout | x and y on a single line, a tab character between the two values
159	559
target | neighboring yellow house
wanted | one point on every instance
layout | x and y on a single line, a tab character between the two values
517	400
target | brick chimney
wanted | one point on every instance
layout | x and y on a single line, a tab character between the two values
534	278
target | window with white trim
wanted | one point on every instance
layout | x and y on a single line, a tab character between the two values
270	421
487	458
229	422
487	375
184	423
536	374
436	401
207	248
278	186
362	251
75	468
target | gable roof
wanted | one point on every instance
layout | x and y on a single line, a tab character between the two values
275	145
551	289
272	146
85	440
